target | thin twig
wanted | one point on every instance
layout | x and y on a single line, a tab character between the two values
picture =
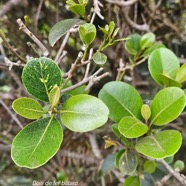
33	37
89	63
38	13
181	178
11	48
97	10
122	3
11	114
10	64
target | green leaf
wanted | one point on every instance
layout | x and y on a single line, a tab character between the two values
39	76
115	130
149	166
163	61
150	49
132	180
167	105
133	44
78	9
181	74
28	108
169	159
54	96
38	142
82	113
61	28
78	90
118	156
108	164
147	40
179	165
99	58
160	145
145	112
128	162
111	28
131	127
121	99
87	33
168	81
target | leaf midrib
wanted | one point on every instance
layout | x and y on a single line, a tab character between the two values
165	109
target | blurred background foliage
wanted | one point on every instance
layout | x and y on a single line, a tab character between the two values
75	161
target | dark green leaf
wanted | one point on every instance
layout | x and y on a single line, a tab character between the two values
82	113
117	157
39	76
28	108
38	142
61	28
128	162
121	99
167	105
160	145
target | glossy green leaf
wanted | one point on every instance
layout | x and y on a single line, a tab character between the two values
54	96
28	108
128	162
147	40
163	61
78	9
181	74
160	145
133	44
167	105
131	127
150	49
168	81
132	181
118	156
39	76
99	58
82	113
61	28
38	142
121	99
145	112
87	33
149	166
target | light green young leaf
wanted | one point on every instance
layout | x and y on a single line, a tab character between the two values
179	165
38	142
82	113
145	111
111	28
28	108
131	127
128	162
149	166
133	44
121	99
147	40
87	33
78	9
162	61
181	74
167	105
39	76
132	180
54	96
61	28
168	81
160	145
99	58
